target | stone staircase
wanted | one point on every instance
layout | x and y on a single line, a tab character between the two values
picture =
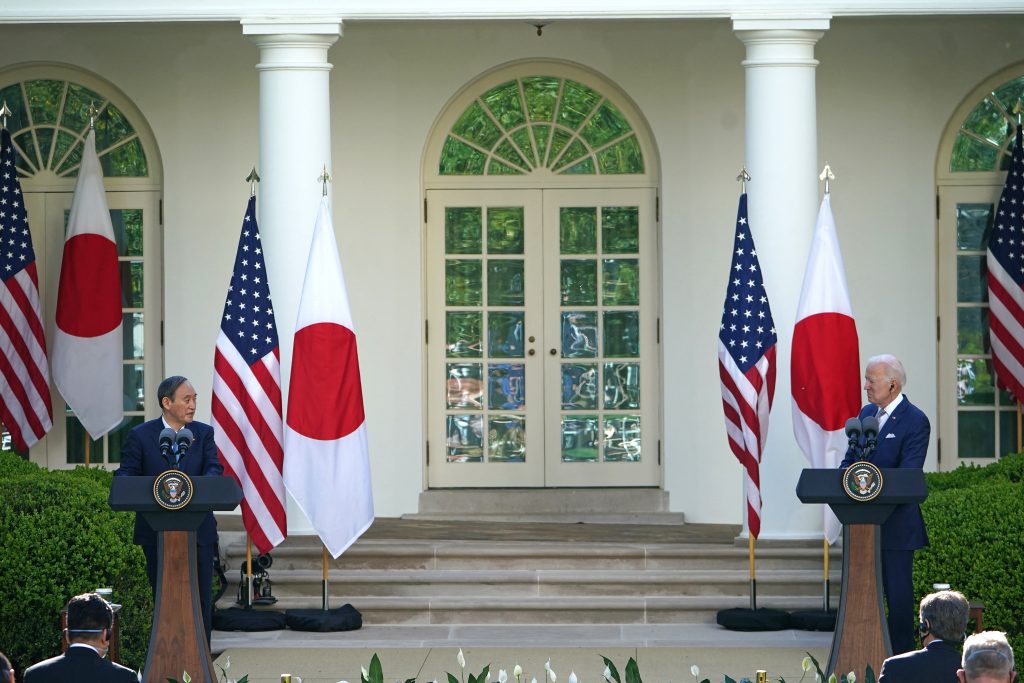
446	572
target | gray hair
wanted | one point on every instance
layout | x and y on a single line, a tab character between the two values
946	615
987	654
894	368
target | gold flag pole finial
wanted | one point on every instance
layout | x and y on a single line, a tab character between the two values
1017	109
325	178
743	177
827	175
92	111
4	113
252	179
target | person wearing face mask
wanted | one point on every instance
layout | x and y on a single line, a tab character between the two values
90	620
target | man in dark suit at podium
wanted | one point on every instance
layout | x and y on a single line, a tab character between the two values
141	455
90	620
903	432
943	623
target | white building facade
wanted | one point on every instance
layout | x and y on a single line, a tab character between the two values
536	223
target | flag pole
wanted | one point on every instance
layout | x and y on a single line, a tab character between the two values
743	177
4	113
753	577
827	175
326	585
91	112
325	178
1017	109
827	583
252	179
248	571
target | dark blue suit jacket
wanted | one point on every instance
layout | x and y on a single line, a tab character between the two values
902	442
936	663
140	456
79	664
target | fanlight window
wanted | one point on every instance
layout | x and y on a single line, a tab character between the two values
50	121
986	136
541	122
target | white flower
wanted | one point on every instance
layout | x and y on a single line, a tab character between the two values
185	678
851	677
695	670
461	659
502	676
517	671
551	672
572	677
533	680
607	673
832	678
547	665
807	664
366	674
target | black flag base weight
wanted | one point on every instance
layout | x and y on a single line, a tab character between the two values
814	620
760	619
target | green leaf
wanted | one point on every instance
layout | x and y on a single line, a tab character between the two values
376	671
612	669
244	679
633	672
729	680
452	679
869	675
408	680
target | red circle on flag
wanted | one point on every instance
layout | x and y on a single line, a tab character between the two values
89	295
825	364
325	399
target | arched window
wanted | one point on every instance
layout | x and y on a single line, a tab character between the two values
977	422
541	122
51	107
542	284
50	120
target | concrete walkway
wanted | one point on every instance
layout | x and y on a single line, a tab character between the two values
664	653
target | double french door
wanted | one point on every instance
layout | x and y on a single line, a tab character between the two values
542	338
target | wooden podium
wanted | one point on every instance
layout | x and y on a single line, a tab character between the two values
861	636
178	639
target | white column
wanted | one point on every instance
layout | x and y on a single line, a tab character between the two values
782	158
295	146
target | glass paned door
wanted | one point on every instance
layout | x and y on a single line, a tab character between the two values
134	219
485	398
600	311
544	371
978	422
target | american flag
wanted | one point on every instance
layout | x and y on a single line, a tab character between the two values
247	392
746	362
24	378
1005	279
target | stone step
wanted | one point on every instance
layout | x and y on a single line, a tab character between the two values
305	553
539	583
543	610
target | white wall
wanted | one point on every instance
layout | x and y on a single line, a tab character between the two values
886	89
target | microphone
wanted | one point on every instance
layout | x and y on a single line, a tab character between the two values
165	439
853	431
870	434
185	439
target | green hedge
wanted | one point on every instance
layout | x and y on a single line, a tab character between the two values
975	521
59	538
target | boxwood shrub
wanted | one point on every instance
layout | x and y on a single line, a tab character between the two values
59	538
975	521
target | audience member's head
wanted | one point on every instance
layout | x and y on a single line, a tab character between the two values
987	658
90	619
6	670
944	617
